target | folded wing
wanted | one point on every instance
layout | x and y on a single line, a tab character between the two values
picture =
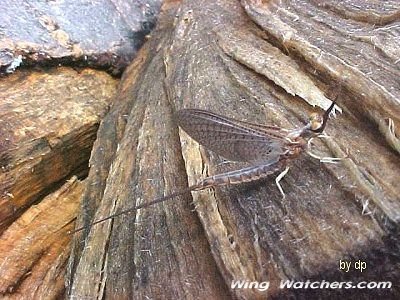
232	139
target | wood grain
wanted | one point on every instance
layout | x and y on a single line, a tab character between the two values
264	62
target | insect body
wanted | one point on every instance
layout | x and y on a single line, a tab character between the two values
267	148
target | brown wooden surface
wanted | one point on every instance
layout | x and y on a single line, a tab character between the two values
48	125
35	248
263	62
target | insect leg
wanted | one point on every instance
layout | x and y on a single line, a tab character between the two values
332	160
279	178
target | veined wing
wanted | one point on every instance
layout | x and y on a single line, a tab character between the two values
232	139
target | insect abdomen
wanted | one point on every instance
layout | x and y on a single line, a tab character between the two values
239	176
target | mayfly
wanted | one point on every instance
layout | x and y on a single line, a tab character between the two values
267	148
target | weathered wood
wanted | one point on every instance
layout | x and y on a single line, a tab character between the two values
211	55
48	125
104	34
35	248
157	258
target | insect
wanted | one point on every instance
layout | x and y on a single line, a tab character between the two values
267	148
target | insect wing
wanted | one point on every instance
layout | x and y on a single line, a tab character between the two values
233	140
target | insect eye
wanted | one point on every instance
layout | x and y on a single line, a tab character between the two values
315	121
313	117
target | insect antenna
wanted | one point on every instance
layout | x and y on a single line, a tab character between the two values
325	117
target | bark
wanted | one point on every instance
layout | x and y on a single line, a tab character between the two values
264	62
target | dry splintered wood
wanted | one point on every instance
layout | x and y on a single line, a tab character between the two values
35	248
48	125
263	62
